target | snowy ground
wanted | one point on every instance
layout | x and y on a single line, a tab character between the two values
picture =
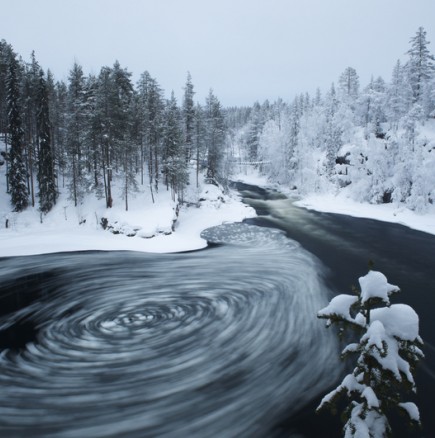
383	212
67	228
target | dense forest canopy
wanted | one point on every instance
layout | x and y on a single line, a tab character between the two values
375	141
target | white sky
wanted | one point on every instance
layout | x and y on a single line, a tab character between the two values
246	50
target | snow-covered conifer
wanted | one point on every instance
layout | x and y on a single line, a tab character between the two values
215	135
75	133
420	65
188	114
174	161
17	169
46	177
399	95
388	350
348	85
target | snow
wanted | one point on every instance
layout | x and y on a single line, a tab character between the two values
386	352
375	336
375	285
412	410
69	228
399	320
365	424
370	396
392	361
339	306
341	203
253	177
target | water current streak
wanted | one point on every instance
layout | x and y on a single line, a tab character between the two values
217	343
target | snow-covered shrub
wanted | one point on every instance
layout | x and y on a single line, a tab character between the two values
387	352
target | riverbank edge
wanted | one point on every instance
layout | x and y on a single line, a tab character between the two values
213	208
340	203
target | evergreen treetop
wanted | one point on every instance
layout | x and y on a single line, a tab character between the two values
388	350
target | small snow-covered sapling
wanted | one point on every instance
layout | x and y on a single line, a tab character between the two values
387	353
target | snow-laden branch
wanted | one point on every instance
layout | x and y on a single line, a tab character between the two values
388	351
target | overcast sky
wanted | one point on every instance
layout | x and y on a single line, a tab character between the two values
246	50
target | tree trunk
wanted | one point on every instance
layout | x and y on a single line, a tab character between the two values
156	168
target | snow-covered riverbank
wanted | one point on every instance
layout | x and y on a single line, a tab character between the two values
342	204
383	212
69	228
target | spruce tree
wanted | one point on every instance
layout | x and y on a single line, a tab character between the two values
46	177
388	351
17	168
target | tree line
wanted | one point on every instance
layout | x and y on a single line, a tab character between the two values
83	133
371	142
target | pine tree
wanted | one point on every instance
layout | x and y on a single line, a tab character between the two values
199	140
293	139
5	54
58	118
420	65
124	150
255	126
92	139
129	151
399	95
30	108
151	107
372	104
215	136
388	351
173	159
76	123
333	131
46	177
188	117
17	169
348	86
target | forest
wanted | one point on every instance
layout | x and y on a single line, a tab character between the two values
375	142
82	134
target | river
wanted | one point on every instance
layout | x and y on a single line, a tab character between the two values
221	342
345	245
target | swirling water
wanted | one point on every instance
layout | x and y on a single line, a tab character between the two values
222	342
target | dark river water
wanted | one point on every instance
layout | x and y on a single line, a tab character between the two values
222	342
345	245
